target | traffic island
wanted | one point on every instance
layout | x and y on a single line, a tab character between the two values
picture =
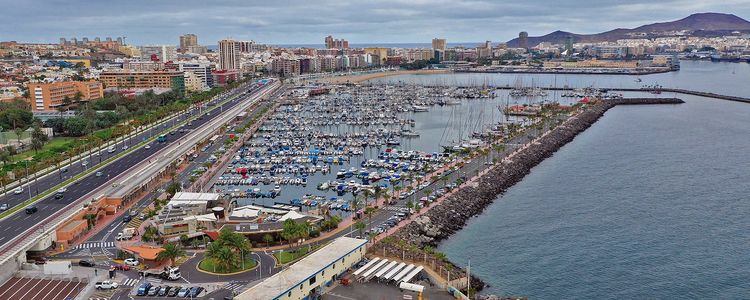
210	266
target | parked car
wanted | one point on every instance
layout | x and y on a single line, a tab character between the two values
106	285
131	262
183	292
163	291
173	291
86	263
153	290
195	291
143	289
40	261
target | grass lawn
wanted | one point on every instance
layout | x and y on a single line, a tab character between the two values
287	256
53	143
208	265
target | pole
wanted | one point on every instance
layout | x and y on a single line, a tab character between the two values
468	279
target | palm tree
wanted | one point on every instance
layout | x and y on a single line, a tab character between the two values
90	220
369	212
171	252
360	227
366	193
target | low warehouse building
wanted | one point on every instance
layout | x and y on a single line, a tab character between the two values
306	278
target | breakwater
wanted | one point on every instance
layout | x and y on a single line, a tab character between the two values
450	216
569	71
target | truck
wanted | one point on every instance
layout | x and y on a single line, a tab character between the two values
106	285
169	273
126	234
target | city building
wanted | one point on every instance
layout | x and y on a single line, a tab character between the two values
229	55
523	40
50	96
163	53
187	41
439	44
332	43
201	70
307	278
127	79
286	67
224	77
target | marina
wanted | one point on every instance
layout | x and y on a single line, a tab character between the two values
324	147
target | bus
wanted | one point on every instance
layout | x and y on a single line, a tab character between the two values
162	138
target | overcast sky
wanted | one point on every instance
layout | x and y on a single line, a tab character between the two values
309	21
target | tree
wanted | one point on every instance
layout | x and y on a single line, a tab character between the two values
360	227
173	188
268	239
90	220
38	139
236	241
369	212
172	252
222	256
184	239
289	231
19	131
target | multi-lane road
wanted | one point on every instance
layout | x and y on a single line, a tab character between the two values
19	222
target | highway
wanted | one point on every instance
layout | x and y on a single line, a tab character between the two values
19	222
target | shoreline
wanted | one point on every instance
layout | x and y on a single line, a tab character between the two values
451	215
568	71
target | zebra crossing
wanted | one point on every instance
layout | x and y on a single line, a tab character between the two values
234	286
96	245
130	282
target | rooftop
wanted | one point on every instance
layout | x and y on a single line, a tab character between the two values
280	283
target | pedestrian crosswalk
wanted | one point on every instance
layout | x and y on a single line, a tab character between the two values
96	245
234	286
129	282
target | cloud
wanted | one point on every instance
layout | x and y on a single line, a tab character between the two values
308	21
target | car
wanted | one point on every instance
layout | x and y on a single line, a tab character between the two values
4	207
111	149
153	290
40	260
64	170
85	163
126	218
195	291
183	292
143	217
132	262
31	209
98	174
173	291
122	267
86	263
143	289
124	147
106	285
163	291
18	190
147	146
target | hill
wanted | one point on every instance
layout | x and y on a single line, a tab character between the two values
700	24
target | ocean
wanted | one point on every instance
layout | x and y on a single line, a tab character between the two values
650	202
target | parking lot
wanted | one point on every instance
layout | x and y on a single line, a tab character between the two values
377	291
40	289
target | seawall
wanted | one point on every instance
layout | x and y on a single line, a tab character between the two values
470	200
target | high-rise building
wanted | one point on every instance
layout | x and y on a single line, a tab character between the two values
229	55
163	53
329	42
187	41
201	70
523	40
439	44
50	96
332	43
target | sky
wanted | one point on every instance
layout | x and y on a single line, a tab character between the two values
282	22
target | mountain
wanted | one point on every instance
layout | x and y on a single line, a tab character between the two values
700	24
